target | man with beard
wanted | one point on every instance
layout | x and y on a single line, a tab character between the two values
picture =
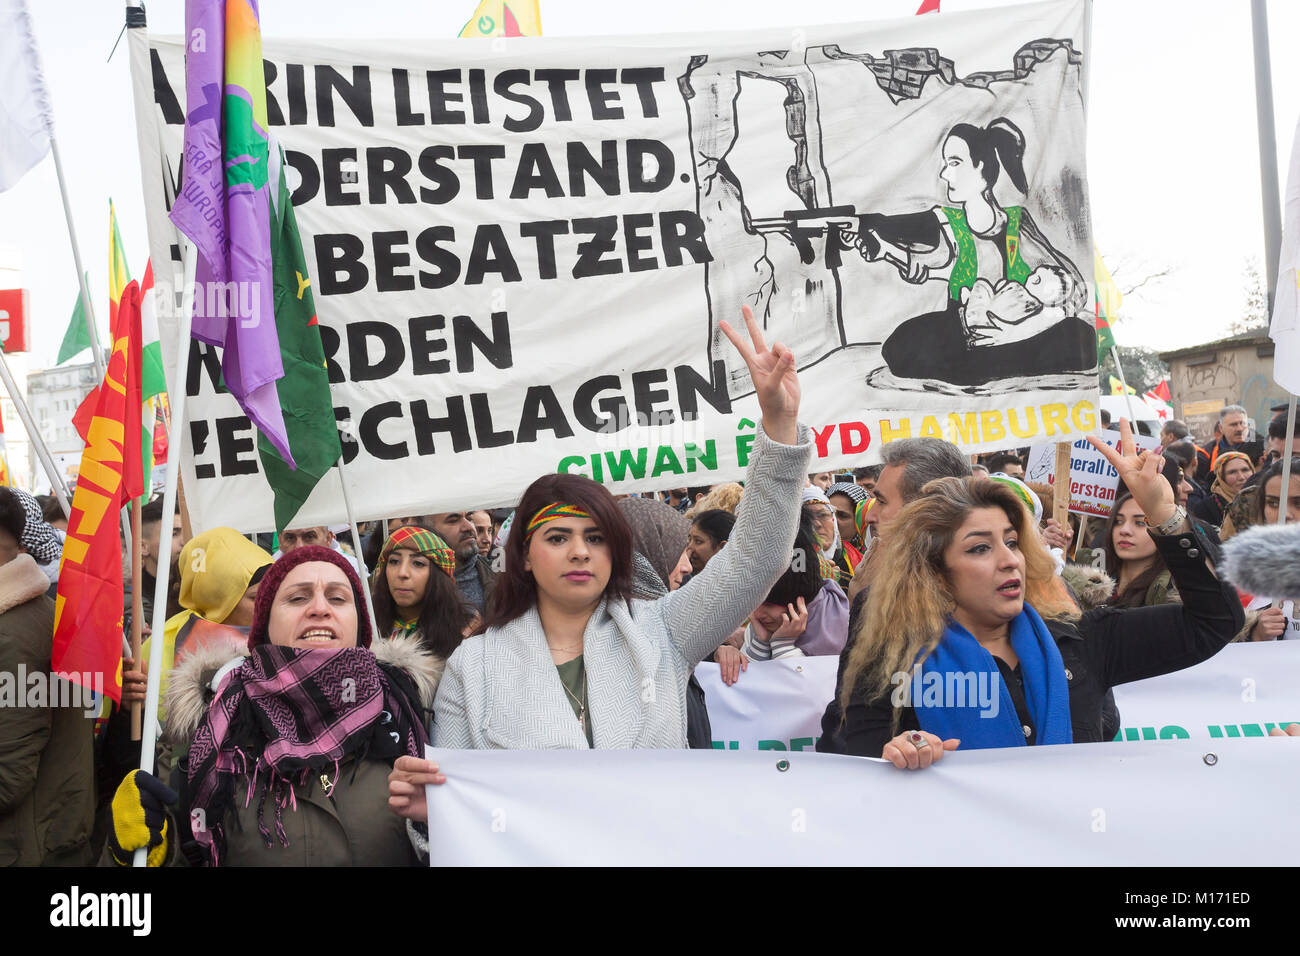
474	575
485	532
1229	435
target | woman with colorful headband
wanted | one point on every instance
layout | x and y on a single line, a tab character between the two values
568	660
846	497
830	550
415	592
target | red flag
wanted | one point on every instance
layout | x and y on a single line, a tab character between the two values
160	434
928	6
88	608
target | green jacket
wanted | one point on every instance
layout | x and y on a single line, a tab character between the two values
47	791
351	827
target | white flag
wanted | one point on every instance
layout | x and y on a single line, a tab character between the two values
25	120
1285	330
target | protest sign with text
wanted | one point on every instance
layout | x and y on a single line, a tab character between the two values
521	250
1093	480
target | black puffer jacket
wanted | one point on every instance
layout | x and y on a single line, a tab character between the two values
1107	646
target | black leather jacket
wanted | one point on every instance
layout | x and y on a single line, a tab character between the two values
1107	646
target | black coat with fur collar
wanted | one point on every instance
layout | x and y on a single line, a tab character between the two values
1107	646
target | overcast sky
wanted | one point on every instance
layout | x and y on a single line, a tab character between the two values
1173	162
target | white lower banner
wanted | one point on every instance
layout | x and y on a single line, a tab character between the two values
1243	691
775	705
1172	804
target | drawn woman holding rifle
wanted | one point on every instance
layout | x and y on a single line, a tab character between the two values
1016	306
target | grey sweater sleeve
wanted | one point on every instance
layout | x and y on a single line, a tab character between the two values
702	614
450	718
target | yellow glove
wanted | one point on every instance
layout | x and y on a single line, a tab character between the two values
139	818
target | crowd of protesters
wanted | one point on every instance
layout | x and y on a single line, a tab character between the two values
542	626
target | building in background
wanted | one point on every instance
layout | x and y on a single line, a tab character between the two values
53	395
1231	371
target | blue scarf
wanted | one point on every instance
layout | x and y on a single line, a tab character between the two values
1046	691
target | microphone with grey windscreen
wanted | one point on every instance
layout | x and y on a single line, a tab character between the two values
1265	561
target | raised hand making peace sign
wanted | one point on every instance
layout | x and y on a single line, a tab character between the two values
776	383
1142	474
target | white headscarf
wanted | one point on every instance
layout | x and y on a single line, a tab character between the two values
813	493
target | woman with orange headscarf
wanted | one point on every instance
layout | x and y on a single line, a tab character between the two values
1231	472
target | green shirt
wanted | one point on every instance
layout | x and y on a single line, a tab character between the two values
573	675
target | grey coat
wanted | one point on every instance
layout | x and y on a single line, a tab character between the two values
500	690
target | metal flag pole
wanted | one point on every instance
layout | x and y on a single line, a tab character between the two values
149	730
1288	449
43	453
88	310
1128	398
1268	187
356	538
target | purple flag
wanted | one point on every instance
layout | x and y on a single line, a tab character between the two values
224	205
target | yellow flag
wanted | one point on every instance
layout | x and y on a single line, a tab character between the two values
1108	297
505	18
118	274
1117	387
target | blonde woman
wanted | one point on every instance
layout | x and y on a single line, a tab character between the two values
969	638
723	497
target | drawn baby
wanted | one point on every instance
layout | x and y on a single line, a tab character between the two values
1011	312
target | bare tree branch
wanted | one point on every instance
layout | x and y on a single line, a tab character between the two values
1153	277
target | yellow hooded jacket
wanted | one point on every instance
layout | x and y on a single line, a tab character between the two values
216	567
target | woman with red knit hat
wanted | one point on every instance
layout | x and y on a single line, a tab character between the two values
287	749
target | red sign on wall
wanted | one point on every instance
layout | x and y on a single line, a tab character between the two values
15	331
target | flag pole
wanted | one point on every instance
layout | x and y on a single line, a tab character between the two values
87	310
43	453
137	604
1288	449
1128	399
176	446
1268	183
356	537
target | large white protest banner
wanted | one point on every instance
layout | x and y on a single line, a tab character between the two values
1074	805
522	248
1243	691
1093	480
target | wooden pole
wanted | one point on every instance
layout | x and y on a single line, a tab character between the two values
187	530
1082	536
137	606
1061	481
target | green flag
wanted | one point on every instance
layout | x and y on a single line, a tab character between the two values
76	338
304	390
1105	337
1108	303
